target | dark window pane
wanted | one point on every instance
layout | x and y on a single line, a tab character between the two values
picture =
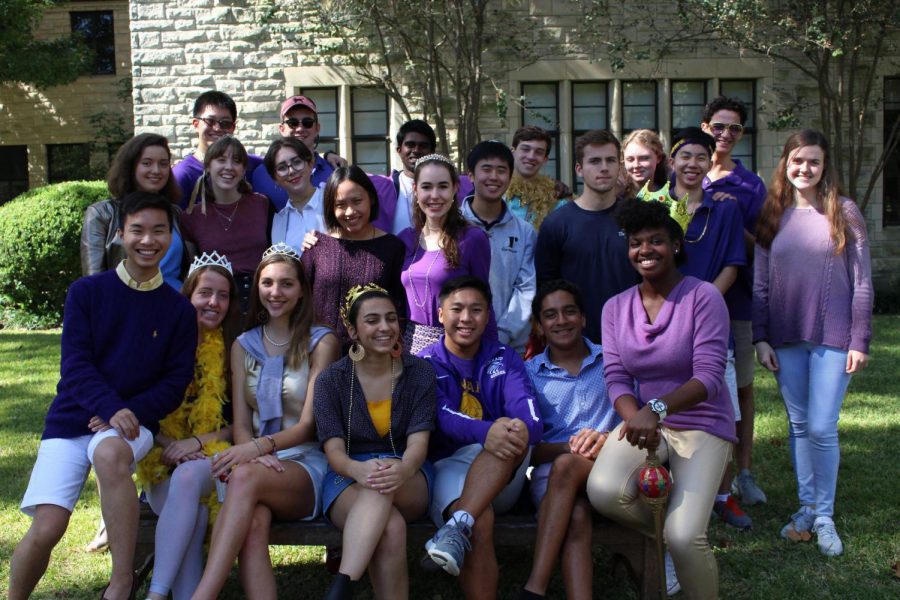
96	27
13	171
326	100
369	123
68	162
541	109
891	177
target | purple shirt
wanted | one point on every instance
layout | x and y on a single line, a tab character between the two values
189	170
802	292
750	191
424	272
688	340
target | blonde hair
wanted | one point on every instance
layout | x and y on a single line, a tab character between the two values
648	139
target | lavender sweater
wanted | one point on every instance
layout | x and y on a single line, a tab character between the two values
688	340
803	292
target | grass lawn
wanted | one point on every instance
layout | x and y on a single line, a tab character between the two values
755	564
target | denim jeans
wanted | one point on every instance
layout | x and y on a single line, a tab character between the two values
813	382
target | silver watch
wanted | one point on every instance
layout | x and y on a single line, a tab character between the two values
659	407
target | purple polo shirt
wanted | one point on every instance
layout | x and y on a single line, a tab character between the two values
189	170
750	191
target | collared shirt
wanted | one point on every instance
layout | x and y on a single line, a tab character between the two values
141	286
570	403
289	224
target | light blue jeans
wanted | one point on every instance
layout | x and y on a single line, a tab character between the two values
813	382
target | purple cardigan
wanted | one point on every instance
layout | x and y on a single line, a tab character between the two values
506	391
688	340
803	292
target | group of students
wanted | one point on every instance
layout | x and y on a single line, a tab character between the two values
400	306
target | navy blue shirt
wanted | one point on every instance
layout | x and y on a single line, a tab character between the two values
587	248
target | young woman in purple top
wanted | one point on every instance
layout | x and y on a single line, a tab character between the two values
667	337
225	215
812	312
354	252
441	246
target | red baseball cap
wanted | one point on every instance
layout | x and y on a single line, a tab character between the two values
297	101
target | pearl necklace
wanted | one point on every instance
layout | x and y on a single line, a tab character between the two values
427	297
273	342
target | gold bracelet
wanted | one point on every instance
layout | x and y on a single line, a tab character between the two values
258	447
274	446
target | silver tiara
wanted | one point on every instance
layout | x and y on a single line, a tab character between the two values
208	259
281	248
434	157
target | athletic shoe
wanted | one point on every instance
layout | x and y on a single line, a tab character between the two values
826	535
449	545
748	490
731	513
100	543
798	528
673	586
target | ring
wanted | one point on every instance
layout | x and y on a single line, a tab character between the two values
643	438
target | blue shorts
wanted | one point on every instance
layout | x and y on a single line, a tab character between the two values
335	484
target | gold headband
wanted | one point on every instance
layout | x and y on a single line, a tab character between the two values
353	295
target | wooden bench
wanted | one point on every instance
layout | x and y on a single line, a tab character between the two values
636	551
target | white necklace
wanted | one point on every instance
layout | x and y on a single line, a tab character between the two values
421	303
273	342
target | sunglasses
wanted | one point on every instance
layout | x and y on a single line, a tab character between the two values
223	124
719	128
295	164
293	123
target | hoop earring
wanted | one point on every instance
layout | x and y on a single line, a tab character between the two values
356	352
263	316
396	350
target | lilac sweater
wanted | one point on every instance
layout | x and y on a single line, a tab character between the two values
803	292
688	340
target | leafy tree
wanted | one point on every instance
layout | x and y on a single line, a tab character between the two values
42	63
838	45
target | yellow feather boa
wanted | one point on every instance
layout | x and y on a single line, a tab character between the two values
201	412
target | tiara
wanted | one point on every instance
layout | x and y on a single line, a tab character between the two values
208	259
435	158
353	295
283	249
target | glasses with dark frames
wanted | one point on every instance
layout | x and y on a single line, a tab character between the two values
223	124
295	164
293	123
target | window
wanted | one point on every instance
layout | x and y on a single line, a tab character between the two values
590	110
13	171
688	100
638	106
370	139
68	162
891	207
541	109
745	91
96	28
326	100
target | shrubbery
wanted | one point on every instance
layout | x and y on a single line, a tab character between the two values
39	250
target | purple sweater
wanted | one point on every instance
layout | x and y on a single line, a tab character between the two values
424	272
121	348
688	340
802	292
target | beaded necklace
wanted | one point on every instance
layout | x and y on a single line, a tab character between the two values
350	407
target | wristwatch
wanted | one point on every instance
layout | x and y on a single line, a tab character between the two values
659	407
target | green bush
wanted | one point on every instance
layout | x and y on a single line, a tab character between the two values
39	250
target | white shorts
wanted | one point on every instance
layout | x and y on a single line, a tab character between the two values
63	464
731	382
450	477
312	460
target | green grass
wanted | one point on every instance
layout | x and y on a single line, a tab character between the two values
755	564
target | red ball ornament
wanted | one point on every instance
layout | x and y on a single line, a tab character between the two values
654	480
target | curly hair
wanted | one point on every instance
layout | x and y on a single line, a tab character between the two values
635	215
724	103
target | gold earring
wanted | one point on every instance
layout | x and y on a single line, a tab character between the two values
356	352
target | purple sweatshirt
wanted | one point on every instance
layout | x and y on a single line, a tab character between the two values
802	292
502	387
688	340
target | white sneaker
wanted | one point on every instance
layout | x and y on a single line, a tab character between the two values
673	586
829	542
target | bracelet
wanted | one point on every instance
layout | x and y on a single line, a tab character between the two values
258	447
198	441
274	446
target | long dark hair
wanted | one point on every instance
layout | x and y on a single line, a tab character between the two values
120	178
455	223
329	195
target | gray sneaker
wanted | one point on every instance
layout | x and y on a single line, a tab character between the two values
826	536
748	490
799	526
449	545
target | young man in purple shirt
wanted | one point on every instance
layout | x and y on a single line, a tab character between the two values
724	119
487	422
127	356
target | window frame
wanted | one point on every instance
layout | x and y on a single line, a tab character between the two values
655	105
672	129
50	150
555	131
752	117
890	207
356	139
330	142
12	176
108	51
577	182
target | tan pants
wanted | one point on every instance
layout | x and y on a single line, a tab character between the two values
697	461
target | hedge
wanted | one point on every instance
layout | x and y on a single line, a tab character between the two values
39	250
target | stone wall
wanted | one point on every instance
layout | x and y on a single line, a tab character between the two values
61	114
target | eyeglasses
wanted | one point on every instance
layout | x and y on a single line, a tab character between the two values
295	164
223	124
719	128
293	123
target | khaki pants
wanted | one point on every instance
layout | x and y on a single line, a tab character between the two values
697	461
